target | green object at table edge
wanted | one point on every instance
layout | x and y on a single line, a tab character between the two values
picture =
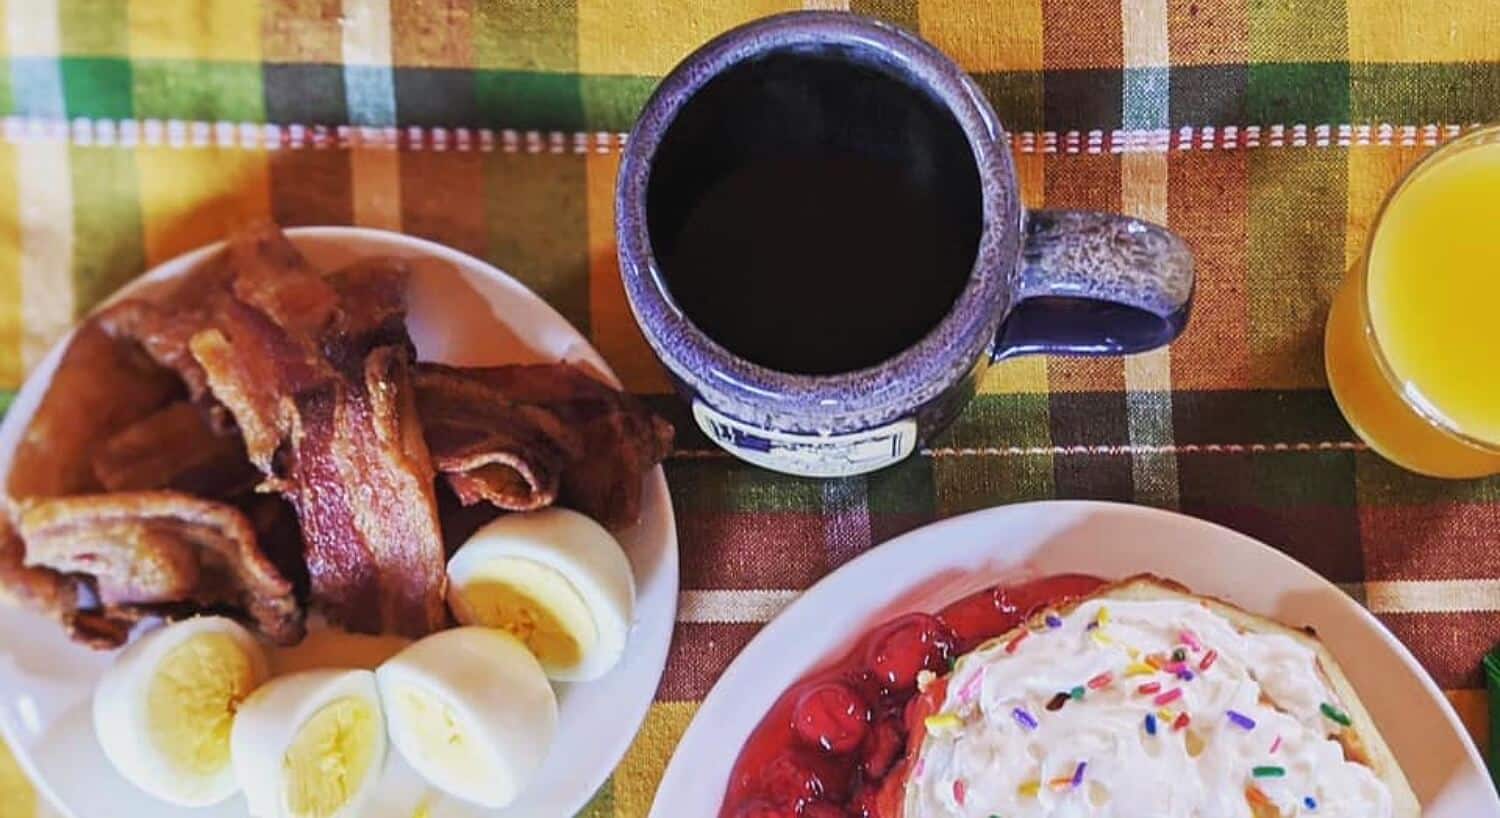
1492	683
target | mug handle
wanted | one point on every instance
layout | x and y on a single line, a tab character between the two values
1097	284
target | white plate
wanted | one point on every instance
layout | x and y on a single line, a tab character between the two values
462	311
934	565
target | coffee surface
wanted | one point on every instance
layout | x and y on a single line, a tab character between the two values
817	265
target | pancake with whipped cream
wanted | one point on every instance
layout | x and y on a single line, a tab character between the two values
1146	701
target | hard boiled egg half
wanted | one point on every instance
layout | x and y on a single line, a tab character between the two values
163	711
555	579
471	711
310	745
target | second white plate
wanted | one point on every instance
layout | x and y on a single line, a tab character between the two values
934	565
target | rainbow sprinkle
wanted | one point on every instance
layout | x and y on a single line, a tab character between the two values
1149	689
1276	745
1138	669
1156	660
1054	621
1103	618
1241	720
1179	655
1166	715
1078	773
1310	802
1181	722
1334	714
1101	681
1150	724
1056	702
942	721
1208	660
1102	638
1077	692
1014	643
1184	674
959	790
1188	638
1255	796
1060	783
1268	771
1023	718
1168	697
1029	789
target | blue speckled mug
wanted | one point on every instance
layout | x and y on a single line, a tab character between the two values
1062	282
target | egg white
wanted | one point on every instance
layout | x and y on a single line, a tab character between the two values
270	720
582	552
494	691
120	717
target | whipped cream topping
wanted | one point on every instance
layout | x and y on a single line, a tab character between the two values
1140	709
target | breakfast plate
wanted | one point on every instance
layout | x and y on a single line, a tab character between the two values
461	311
929	568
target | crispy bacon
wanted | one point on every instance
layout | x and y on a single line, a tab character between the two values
174	448
145	549
100	387
332	424
364	493
495	430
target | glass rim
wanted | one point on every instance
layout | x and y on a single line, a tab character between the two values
1480	135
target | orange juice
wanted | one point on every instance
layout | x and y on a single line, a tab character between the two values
1413	341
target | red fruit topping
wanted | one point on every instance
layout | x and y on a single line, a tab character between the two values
881	747
798	775
822	809
863	804
761	809
913	643
831	717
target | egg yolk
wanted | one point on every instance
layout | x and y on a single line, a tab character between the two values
536	604
191	700
438	736
20	797
330	757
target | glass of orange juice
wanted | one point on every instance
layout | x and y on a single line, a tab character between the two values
1413	338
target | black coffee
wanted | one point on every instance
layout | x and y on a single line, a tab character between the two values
812	214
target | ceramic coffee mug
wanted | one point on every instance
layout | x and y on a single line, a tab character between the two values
1044	281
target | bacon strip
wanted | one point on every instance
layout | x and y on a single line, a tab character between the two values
175	449
160	548
535	420
101	386
330	420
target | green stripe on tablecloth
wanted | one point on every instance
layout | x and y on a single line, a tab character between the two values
1016	97
98	87
528	100
724	485
1418	93
611	103
1293	92
108	248
199	90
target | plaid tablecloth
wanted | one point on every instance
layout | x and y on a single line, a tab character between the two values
1264	131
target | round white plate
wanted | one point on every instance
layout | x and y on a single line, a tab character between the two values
934	565
462	311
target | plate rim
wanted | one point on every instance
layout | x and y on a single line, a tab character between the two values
677	768
29	395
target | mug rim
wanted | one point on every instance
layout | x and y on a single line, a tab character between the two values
860	398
